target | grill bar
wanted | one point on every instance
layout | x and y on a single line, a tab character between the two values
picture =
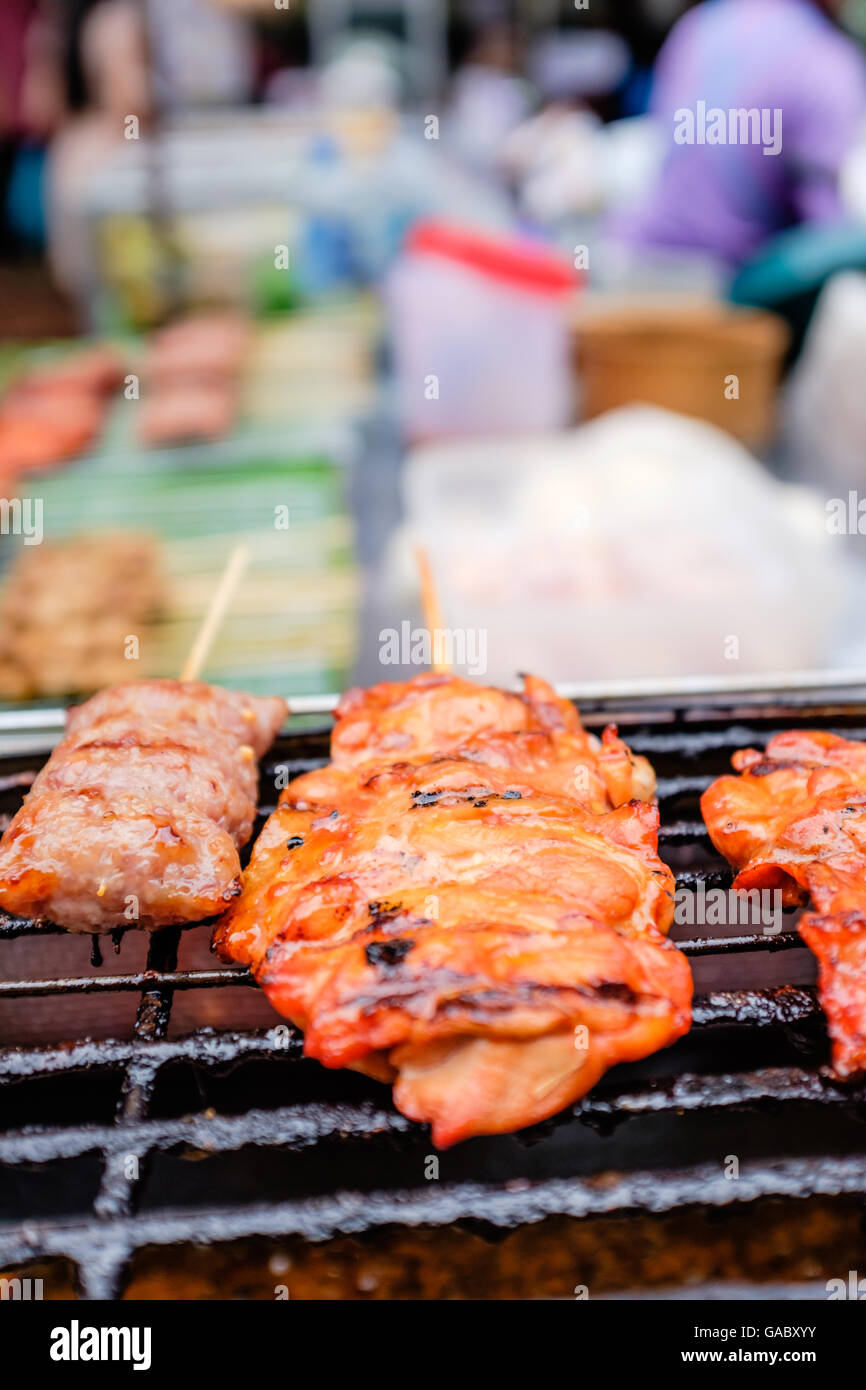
760	1008
298	1127
158	985
505	1207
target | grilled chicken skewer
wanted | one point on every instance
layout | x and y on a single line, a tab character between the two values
137	817
794	821
468	902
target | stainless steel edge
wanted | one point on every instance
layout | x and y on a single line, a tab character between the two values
51	720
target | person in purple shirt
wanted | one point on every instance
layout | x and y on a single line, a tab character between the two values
759	101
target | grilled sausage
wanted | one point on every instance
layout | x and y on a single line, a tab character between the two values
138	815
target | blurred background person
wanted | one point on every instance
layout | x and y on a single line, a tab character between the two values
106	79
120	59
728	200
31	107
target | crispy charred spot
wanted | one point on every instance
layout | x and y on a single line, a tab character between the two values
426	798
233	891
294	842
379	910
512	796
621	993
476	796
387	955
392	926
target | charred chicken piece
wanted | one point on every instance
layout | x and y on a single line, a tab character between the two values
474	910
794	821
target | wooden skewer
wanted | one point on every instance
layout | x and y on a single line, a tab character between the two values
431	609
235	566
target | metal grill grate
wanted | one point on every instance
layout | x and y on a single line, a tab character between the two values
648	1138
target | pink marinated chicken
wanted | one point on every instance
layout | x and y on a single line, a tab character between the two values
138	815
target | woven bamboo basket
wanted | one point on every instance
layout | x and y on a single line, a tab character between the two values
713	361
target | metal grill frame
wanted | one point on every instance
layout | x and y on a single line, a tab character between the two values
102	1244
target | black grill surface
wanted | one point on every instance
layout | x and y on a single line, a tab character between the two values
157	1137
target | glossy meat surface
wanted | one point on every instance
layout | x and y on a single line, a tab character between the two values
137	817
839	944
794	820
482	920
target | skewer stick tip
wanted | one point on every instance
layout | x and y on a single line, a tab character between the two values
223	594
431	610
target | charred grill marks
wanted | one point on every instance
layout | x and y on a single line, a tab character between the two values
477	925
452	796
386	955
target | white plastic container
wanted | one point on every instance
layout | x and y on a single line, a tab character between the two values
643	544
479	329
825	404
